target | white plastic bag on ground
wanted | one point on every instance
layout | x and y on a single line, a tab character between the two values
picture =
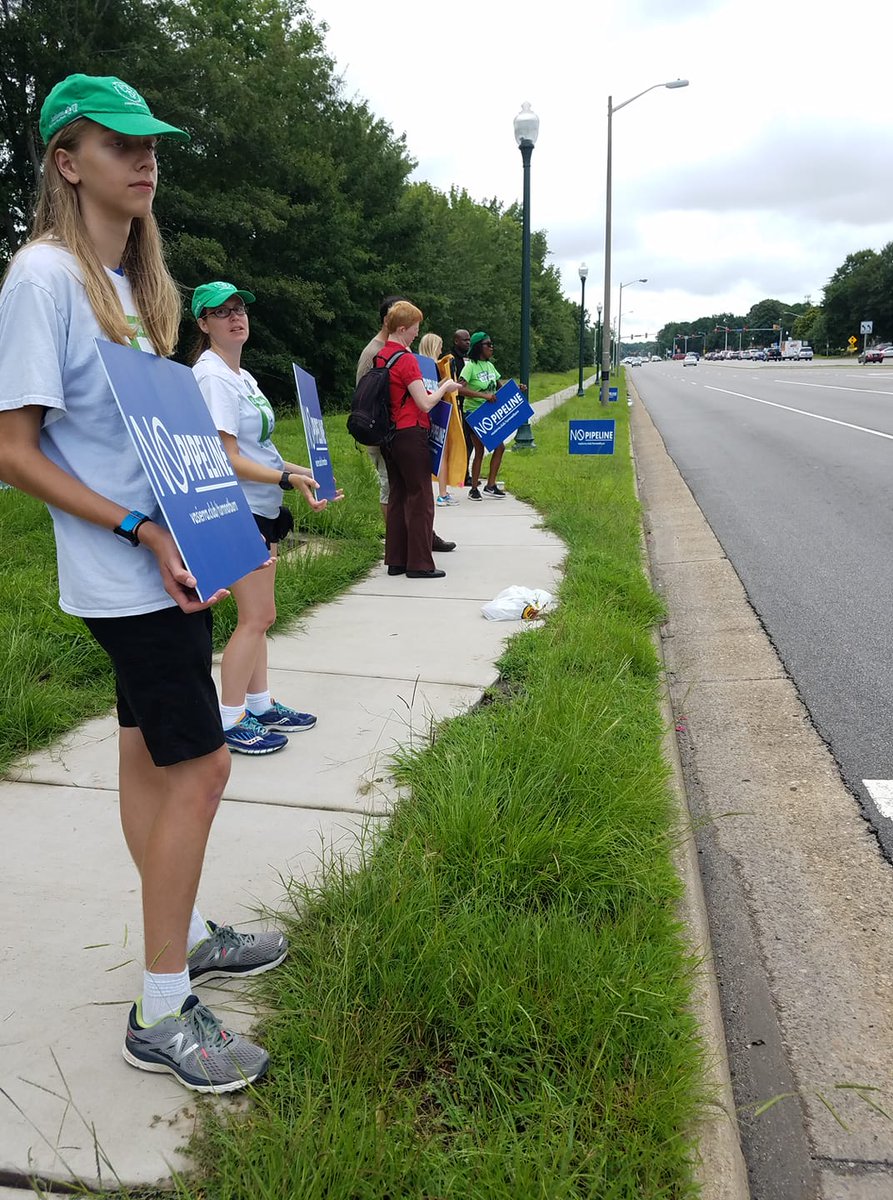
519	604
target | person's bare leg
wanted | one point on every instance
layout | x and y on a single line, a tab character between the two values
442	488
166	814
384	514
495	461
477	462
246	651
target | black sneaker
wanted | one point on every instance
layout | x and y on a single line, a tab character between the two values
495	490
475	494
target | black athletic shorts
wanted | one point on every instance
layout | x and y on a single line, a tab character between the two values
274	529
163	680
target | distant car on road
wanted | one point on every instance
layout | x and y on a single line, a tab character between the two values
690	360
773	354
806	353
876	354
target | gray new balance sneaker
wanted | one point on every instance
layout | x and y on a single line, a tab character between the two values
194	1047
227	954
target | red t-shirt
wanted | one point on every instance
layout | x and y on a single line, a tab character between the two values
405	413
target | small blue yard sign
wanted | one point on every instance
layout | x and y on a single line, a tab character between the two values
591	437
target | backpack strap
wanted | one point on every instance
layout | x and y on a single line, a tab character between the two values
388	366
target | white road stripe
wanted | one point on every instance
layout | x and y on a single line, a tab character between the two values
834	387
802	412
881	792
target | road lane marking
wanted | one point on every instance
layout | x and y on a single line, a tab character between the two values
881	792
834	387
802	412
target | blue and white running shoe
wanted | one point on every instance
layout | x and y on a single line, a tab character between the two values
285	720
249	736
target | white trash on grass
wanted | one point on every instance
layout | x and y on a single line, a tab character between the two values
519	604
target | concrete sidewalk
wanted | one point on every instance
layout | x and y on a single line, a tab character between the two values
379	665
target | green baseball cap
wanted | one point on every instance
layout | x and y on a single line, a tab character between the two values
212	295
478	337
105	99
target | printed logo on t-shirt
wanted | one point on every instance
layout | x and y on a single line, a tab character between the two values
139	339
267	419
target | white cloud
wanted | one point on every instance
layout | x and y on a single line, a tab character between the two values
756	180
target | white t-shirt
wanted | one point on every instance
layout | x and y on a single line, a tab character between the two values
47	358
239	407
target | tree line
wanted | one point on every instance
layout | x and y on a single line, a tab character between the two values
861	289
288	187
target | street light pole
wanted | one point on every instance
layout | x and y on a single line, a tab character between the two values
612	108
527	127
583	272
619	312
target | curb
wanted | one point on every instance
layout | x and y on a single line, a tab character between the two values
719	1168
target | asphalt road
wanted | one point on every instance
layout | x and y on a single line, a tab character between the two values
792	465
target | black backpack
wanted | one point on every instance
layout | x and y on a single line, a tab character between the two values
370	421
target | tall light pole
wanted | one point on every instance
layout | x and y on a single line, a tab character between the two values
620	311
527	127
612	108
582	272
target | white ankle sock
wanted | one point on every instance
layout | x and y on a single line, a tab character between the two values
230	713
198	930
258	702
163	994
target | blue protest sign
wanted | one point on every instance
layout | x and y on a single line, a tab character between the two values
439	414
440	419
612	395
183	456
496	419
315	433
591	437
430	375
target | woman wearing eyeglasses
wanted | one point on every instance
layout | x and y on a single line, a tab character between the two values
480	381
253	722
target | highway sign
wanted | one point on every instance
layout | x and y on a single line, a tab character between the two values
866	327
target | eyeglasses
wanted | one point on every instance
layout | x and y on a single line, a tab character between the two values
486	343
238	310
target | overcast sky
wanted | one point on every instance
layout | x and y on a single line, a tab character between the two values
756	180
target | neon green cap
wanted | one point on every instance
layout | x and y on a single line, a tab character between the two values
212	295
105	99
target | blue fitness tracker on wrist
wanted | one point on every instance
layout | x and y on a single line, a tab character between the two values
129	526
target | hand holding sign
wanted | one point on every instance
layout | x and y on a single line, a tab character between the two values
496	419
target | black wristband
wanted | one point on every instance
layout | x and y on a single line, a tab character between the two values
285	483
129	527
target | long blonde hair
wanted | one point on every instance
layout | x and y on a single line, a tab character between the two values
431	345
57	219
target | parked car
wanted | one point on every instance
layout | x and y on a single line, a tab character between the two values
690	360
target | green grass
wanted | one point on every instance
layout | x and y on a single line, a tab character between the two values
494	1007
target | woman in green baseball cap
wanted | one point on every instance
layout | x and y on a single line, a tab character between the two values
253	721
94	269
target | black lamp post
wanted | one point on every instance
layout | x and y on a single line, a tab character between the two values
598	337
583	272
527	127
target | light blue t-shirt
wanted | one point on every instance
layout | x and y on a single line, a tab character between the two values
239	407
47	358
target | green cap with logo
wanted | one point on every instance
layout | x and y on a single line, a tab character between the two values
212	295
480	336
107	100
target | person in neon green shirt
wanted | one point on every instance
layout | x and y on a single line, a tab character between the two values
480	380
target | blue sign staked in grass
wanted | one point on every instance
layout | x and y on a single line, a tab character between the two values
613	393
590	437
